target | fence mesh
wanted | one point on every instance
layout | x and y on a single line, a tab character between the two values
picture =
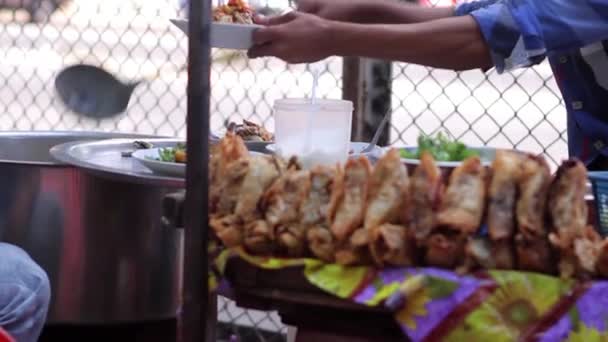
134	40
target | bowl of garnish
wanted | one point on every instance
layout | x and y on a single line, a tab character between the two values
232	26
447	153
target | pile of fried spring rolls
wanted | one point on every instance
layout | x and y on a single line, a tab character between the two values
513	215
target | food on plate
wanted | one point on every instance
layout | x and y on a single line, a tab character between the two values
426	190
250	131
234	12
176	154
462	206
359	214
441	148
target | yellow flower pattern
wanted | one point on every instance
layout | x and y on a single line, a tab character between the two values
414	306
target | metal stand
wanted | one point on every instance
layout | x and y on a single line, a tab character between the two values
197	304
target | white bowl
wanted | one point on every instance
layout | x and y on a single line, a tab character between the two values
225	35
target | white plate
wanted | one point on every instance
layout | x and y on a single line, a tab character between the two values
225	35
149	158
486	155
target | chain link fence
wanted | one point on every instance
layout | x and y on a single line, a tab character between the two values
134	40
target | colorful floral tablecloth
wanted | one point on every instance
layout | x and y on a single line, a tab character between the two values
438	305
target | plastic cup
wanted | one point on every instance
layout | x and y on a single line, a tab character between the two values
329	123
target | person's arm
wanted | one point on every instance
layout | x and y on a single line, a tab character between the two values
373	11
397	12
453	43
450	43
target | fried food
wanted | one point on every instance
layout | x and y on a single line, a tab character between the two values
534	180
388	191
445	249
347	210
315	210
462	207
261	172
502	195
282	204
426	190
389	245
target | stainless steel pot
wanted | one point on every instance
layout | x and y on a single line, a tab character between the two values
100	240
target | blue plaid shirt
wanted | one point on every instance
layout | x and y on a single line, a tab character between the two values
573	36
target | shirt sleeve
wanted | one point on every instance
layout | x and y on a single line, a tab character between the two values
521	33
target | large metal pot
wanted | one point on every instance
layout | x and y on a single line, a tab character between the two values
100	240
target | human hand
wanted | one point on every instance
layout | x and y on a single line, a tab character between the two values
294	37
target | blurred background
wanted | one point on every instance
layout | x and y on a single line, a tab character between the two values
134	39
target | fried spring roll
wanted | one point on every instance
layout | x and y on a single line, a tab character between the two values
566	201
463	205
347	210
388	191
261	173
228	150
314	213
281	206
445	249
426	190
502	195
533	185
228	229
534	254
389	245
354	251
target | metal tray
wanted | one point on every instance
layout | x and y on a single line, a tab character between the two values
106	159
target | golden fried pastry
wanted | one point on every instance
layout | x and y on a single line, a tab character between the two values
228	229
228	150
389	246
281	207
502	195
259	238
388	191
261	172
426	190
534	254
566	200
315	208
533	184
347	209
445	249
321	243
462	207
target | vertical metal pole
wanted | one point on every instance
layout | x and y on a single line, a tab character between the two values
367	83
196	292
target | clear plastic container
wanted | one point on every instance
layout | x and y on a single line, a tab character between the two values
329	123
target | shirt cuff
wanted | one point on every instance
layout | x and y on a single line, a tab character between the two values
509	48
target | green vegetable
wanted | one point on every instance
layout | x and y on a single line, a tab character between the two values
441	148
168	154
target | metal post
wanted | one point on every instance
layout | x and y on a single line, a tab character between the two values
367	83
196	301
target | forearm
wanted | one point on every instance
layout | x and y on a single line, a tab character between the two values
450	43
396	12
